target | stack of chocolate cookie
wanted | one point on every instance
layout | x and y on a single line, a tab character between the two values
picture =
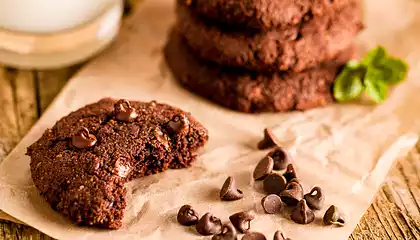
263	55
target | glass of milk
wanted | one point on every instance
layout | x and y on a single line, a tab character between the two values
39	34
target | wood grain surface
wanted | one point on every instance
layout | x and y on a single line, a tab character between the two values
24	96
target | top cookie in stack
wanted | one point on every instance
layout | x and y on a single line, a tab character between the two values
261	55
264	14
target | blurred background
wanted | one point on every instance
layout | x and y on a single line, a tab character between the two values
45	34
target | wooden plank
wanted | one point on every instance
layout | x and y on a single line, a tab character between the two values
18	108
15	231
396	205
9	133
50	83
23	83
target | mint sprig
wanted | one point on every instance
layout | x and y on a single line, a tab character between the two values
374	74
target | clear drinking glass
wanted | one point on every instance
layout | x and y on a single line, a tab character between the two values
55	33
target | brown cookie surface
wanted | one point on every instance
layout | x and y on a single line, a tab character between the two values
248	91
262	14
299	47
84	179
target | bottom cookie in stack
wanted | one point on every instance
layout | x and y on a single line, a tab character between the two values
248	91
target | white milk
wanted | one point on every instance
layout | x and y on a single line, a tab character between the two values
55	33
46	16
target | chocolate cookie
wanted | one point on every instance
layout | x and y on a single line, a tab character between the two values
300	47
262	14
80	165
249	91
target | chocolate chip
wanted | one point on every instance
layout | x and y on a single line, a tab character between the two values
228	233
292	194
179	124
122	165
290	172
274	183
271	204
334	216
302	214
83	139
162	138
278	235
209	225
187	216
229	192
124	112
281	158
315	198
242	220
263	168
268	141
254	236
293	180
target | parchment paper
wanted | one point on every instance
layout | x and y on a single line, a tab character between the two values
346	149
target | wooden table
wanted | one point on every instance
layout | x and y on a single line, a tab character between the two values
24	96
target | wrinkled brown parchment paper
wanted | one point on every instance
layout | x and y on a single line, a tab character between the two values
346	149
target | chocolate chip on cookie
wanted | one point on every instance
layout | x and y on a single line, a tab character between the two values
179	124
83	139
124	112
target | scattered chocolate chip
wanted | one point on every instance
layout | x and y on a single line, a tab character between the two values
302	214
293	180
124	112
281	158
263	168
187	216
315	198
280	236
229	191
242	220
268	141
271	204
179	124
274	183
209	225
334	216
83	139
290	172
254	236
228	233
292	194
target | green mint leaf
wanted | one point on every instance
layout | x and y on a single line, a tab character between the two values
348	86
374	56
396	70
353	65
376	90
377	74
